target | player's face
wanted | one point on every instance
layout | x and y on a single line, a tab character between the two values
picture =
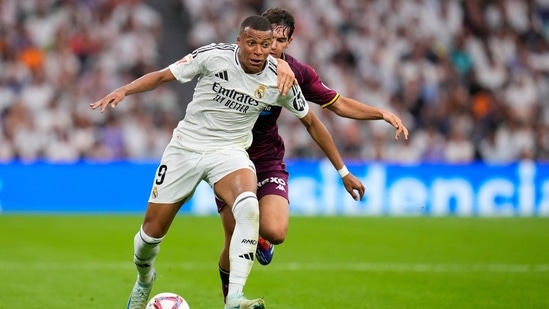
281	40
255	46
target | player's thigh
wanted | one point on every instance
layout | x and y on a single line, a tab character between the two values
274	213
232	185
272	192
176	179
231	174
177	176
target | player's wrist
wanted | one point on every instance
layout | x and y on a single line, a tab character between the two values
344	171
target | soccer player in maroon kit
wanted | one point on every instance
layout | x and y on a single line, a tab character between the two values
267	149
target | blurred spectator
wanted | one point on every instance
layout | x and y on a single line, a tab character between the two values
55	56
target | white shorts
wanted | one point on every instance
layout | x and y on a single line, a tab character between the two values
180	171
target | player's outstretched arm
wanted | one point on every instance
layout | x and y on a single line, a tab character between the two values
144	83
322	137
350	108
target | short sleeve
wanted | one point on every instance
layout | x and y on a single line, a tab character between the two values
188	67
295	102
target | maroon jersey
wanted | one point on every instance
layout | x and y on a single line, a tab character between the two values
267	149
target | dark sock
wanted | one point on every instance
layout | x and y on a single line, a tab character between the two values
224	275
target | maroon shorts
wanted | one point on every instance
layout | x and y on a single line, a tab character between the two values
268	183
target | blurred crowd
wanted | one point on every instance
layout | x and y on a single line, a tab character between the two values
57	57
469	78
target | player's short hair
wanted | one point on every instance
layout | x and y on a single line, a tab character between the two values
256	22
282	18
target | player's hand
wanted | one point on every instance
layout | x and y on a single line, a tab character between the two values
112	99
354	186
286	77
396	122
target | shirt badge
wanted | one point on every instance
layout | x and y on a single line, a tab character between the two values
259	93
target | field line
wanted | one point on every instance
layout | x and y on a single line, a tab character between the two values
361	267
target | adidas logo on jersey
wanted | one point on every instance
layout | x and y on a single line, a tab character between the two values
247	256
223	75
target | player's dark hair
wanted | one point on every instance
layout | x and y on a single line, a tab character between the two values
282	18
256	22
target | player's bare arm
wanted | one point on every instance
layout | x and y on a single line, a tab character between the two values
144	83
323	138
350	108
285	75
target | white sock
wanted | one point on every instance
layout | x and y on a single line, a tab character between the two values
146	249
243	241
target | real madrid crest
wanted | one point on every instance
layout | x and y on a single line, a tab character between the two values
155	192
260	92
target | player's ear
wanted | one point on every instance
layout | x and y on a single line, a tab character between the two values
289	41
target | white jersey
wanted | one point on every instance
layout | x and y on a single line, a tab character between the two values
227	101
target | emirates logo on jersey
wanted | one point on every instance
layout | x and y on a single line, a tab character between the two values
260	92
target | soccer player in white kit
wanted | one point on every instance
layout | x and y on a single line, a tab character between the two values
235	83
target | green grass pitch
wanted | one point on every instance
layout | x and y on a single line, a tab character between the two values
85	261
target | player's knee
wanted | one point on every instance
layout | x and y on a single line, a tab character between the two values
246	207
153	229
275	236
144	240
278	239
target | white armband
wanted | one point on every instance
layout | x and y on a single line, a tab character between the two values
343	171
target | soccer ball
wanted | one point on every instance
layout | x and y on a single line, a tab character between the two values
167	300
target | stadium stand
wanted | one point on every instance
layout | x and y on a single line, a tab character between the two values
468	77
